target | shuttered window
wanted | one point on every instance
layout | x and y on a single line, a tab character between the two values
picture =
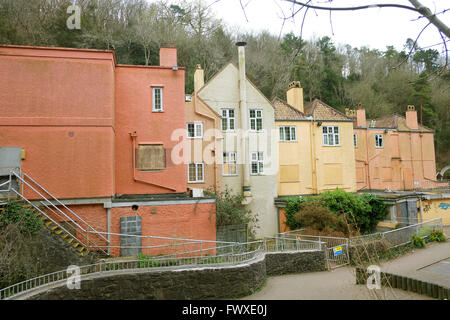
151	157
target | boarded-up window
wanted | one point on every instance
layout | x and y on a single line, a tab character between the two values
151	157
333	174
289	173
387	174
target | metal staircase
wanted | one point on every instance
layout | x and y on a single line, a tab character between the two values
56	216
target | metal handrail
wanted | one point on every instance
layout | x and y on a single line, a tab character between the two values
168	262
83	230
59	202
105	267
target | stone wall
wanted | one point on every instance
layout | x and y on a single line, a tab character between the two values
409	284
209	282
295	262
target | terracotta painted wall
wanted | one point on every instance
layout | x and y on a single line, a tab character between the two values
134	114
406	161
58	105
189	221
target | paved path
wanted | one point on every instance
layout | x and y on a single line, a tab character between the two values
431	263
338	284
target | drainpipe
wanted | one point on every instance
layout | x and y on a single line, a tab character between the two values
244	120
367	159
313	157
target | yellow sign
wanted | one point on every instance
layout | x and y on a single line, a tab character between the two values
337	251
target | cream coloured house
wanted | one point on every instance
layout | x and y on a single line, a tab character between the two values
249	155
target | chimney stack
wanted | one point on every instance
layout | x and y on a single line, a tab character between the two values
168	56
244	119
199	78
360	116
295	95
411	118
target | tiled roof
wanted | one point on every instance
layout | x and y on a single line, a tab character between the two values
321	111
394	121
284	111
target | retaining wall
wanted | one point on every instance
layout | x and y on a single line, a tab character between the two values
409	284
209	282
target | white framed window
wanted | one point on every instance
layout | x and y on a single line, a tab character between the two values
227	119
288	133
256	119
257	163
330	136
229	164
196	172
355	140
379	141
195	130
157	99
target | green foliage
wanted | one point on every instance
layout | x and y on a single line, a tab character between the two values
315	215
25	219
229	208
438	236
417	241
362	212
292	207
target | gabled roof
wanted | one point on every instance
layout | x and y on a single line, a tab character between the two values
316	109
237	68
284	111
319	110
394	121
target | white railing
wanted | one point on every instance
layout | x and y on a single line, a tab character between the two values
402	235
50	209
238	253
150	263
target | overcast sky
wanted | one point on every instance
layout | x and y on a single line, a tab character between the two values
375	27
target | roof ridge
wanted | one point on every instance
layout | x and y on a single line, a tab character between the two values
330	107
288	105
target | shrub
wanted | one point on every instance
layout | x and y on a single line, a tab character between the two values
230	210
359	212
437	236
25	219
418	241
315	215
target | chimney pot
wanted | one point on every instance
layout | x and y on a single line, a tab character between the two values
411	118
294	95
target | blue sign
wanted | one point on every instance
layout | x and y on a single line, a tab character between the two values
337	251
444	206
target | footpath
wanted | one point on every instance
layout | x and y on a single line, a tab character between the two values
430	264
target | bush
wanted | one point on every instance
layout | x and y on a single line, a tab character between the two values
437	236
316	216
418	241
231	211
361	212
25	219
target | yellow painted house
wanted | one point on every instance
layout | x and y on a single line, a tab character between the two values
315	146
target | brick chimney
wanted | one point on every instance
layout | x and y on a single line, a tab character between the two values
199	78
360	116
168	56
295	95
411	118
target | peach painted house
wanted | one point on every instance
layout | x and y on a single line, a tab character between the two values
100	137
203	142
393	152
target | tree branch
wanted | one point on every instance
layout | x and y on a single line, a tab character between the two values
431	17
